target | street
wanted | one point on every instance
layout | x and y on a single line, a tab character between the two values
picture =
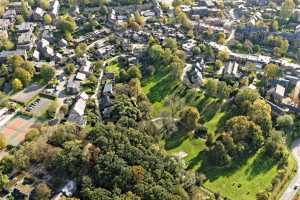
293	187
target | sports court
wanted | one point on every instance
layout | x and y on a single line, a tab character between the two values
16	129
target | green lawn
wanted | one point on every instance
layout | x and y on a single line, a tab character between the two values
212	125
244	180
114	68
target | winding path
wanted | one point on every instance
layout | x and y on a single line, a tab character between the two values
293	187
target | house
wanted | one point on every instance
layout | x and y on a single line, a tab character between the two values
55	9
207	3
77	113
10	15
3	34
26	40
108	88
19	52
73	86
277	92
86	67
5	24
16	5
38	14
25	27
105	102
195	74
231	69
80	76
257	2
42	43
63	43
36	55
48	52
69	189
58	57
189	45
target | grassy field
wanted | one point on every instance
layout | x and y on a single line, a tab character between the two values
114	68
241	181
244	179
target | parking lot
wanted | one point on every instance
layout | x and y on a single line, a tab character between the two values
39	106
24	96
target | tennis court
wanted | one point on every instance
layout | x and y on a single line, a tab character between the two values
16	129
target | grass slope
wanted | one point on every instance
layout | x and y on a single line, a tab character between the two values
244	180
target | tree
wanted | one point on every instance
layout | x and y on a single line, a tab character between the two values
219	155
246	95
135	87
189	117
23	75
3	5
211	87
15	61
134	72
260	113
81	49
17	85
44	4
275	25
42	192
25	9
170	43
28	66
287	8
70	68
285	122
139	19
223	90
6	44
32	134
47	19
47	73
19	19
4	180
272	71
3	142
67	24
51	111
221	38
223	55
245	132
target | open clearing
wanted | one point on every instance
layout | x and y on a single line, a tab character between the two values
16	129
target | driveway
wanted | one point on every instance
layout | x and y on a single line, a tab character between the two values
290	192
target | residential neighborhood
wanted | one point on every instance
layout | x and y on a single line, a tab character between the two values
150	99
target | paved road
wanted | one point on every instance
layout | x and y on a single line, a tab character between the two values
290	192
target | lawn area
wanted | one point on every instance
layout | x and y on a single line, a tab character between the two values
114	68
244	180
241	181
158	87
189	145
212	125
